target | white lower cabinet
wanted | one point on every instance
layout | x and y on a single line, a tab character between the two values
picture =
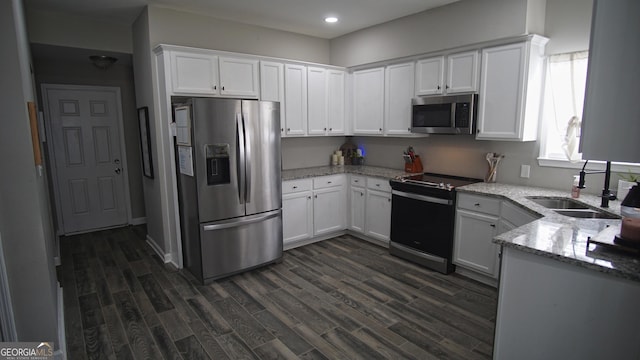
328	210
473	244
297	210
478	220
378	215
357	209
371	207
313	207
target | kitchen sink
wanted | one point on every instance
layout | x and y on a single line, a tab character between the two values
557	203
571	208
587	214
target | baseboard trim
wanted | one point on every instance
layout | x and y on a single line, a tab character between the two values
487	280
303	242
138	221
60	354
165	257
381	243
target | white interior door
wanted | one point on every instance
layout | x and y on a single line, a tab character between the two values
89	174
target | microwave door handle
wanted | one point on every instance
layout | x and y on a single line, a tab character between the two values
453	115
240	160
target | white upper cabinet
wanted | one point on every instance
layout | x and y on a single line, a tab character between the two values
510	91
399	92
295	98
335	101
194	73
199	73
317	101
430	76
272	87
368	101
461	72
238	77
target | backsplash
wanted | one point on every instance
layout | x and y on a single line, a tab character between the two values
454	155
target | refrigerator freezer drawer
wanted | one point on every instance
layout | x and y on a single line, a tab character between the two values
232	246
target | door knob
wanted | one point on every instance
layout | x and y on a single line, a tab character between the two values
118	170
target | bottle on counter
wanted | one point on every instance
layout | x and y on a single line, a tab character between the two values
575	190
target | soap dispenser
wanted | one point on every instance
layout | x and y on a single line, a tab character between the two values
575	189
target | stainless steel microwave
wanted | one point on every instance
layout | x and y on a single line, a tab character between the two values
449	114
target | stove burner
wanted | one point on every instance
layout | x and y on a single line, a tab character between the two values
438	181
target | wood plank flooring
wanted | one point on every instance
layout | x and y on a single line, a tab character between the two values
342	298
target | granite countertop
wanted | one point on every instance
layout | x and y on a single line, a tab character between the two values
373	171
560	237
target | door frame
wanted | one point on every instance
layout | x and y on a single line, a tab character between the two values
50	148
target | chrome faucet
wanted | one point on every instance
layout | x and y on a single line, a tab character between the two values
606	193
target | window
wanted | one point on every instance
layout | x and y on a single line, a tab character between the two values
562	106
563	100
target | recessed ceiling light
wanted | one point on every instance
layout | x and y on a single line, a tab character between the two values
331	19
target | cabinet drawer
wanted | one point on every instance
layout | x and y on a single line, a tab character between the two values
378	184
516	215
328	181
479	203
293	186
357	180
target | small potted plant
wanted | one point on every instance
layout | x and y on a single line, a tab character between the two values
624	185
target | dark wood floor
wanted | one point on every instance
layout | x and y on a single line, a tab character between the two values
338	299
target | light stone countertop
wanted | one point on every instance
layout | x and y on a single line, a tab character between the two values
560	237
554	236
373	171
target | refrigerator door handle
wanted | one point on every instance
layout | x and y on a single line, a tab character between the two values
247	159
241	159
242	221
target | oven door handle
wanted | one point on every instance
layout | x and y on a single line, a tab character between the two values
422	197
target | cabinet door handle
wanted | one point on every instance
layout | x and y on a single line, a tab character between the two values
446	87
215	87
325	129
409	129
380	129
288	129
223	88
389	200
315	196
493	225
328	182
476	204
309	197
330	129
295	187
438	87
378	185
361	194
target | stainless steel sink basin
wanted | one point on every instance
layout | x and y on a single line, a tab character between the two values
557	203
587	214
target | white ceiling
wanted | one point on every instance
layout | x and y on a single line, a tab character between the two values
300	16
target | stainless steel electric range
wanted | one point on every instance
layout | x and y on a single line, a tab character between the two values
422	218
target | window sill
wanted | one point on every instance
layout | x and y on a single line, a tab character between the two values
592	165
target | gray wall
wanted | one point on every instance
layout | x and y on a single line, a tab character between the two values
63	29
79	71
458	24
189	29
568	25
25	223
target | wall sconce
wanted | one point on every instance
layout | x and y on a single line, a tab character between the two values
102	61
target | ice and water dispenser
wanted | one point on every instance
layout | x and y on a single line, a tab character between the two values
217	156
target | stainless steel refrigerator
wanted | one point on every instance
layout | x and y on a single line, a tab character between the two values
229	184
